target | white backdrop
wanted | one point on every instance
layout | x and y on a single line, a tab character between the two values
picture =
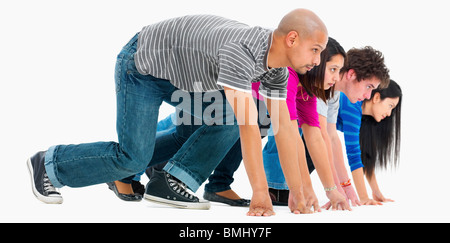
57	87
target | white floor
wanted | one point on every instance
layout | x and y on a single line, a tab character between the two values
98	204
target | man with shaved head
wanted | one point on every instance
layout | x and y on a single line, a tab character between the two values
194	63
305	28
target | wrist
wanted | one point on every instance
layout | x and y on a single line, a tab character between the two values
296	190
329	189
346	183
260	190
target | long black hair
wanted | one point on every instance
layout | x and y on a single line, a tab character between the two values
380	141
312	81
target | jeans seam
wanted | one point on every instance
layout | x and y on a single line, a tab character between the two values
124	107
84	158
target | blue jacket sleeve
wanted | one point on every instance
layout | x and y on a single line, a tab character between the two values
350	119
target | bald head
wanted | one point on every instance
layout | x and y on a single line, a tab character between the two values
303	21
298	41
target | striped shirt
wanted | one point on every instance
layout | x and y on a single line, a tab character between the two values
201	53
349	122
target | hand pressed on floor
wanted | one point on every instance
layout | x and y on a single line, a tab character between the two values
297	204
261	205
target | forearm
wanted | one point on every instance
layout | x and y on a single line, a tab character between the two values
358	179
288	154
246	115
326	138
373	183
286	143
338	156
316	146
306	178
252	157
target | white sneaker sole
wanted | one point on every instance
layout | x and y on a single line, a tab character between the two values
202	205
40	197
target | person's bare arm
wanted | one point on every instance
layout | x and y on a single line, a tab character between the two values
376	192
246	115
288	153
360	184
308	191
316	148
324	132
339	164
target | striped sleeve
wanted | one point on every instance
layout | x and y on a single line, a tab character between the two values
350	115
236	67
274	84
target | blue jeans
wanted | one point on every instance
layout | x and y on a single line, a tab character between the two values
201	154
138	100
224	169
222	176
169	139
272	166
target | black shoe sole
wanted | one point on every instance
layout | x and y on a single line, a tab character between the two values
213	197
202	205
124	197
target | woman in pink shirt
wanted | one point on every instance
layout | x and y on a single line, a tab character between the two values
302	105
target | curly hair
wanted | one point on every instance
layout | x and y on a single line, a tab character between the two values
367	63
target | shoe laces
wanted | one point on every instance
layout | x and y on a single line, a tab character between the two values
48	186
178	187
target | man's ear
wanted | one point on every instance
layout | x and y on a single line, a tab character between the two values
292	38
351	75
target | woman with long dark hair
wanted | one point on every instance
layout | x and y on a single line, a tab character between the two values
380	139
372	139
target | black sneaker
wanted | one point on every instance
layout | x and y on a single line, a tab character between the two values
43	189
165	189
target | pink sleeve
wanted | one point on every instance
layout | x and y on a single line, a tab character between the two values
307	109
292	93
255	89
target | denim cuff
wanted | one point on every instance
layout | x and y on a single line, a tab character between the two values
50	167
278	185
182	174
